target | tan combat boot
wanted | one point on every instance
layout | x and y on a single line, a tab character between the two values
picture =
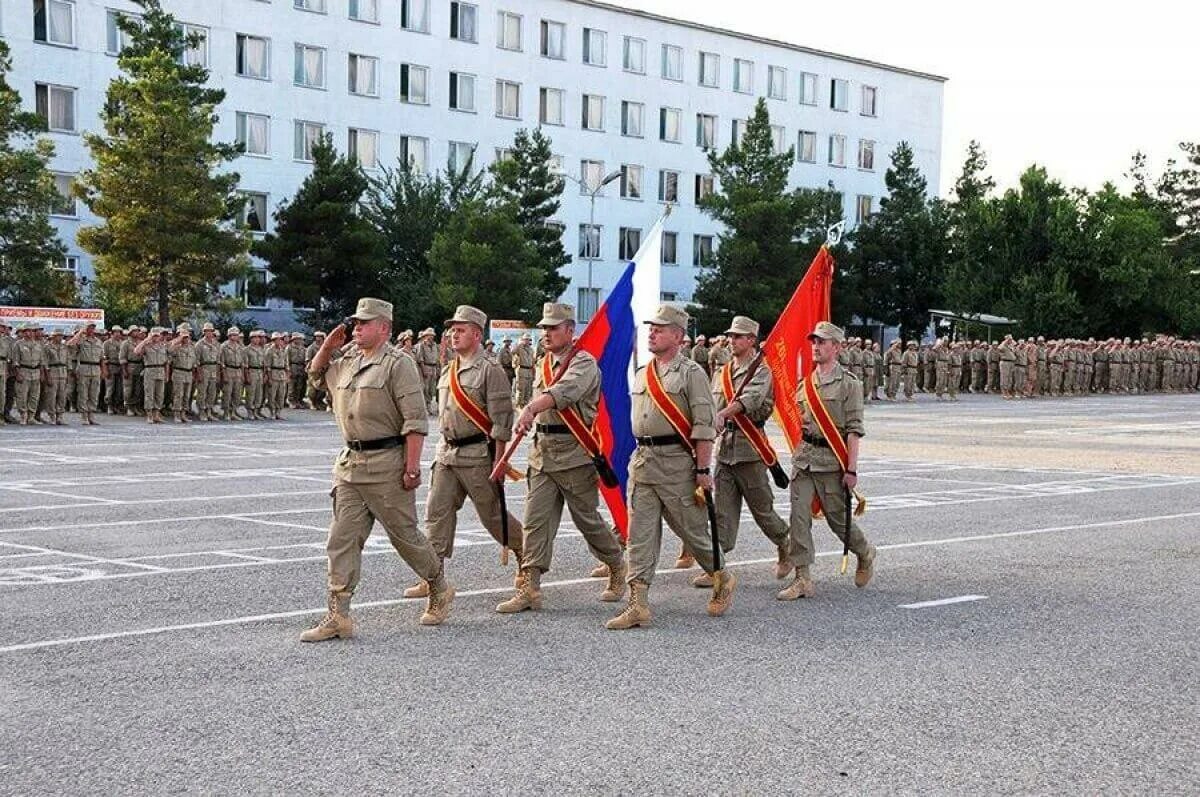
24	418
722	597
701	580
179	417
616	584
637	613
58	421
529	592
599	571
685	560
335	623
801	586
418	590
783	565
866	568
437	608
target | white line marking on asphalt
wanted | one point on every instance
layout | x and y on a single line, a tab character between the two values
58	495
258	618
171	500
85	557
943	602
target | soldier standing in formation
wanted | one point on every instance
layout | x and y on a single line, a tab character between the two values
275	361
131	372
912	369
256	363
184	363
155	359
30	362
55	393
6	356
317	399
89	354
699	354
233	373
114	396
208	373
894	362
523	361
954	370
296	366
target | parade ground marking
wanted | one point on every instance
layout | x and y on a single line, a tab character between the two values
506	589
943	602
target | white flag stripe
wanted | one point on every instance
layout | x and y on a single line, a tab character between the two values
647	286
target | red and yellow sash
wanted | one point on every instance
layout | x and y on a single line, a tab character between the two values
674	415
833	436
757	437
571	417
475	413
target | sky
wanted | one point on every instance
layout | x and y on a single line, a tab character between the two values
1076	87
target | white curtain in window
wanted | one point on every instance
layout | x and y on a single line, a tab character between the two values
671	125
256	134
466	23
417	79
554	41
60	22
62	109
366	148
418	15
254	56
362	74
310	67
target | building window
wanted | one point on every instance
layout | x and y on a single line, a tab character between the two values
558	165
702	250
254	211
631	118
503	154
595	42
253	57
669	124
869	96
672	62
117	39
808	88
593	112
862	208
631	181
670	248
866	155
554	39
56	106
363	146
414	84
364	10
414	15
70	263
839	94
629	240
462	21
710	69
591	174
194	54
307	135
806	150
778	139
668	296
364	75
310	5
508	99
737	132
54	21
704	186
461	157
743	76
706	131
508	31
414	153
668	185
253	133
254	288
462	92
64	204
550	110
588	303
634	57
310	66
777	83
837	150
589	241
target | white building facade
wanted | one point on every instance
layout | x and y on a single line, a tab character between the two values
616	90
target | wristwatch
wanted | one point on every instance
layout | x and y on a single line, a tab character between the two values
702	471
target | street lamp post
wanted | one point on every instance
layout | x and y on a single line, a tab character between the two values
592	192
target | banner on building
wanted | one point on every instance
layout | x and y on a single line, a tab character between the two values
502	328
53	319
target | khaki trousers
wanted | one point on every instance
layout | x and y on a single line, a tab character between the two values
135	399
870	384
356	507
298	387
579	489
55	394
748	481
449	488
942	380
155	383
893	381
910	381
181	392
29	391
233	394
87	395
954	381
115	395
649	506
1006	376
524	386
207	388
277	394
254	392
826	486
3	388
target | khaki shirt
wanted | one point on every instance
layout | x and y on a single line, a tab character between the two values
153	356
523	357
481	378
209	355
296	358
256	358
700	354
6	353
427	356
90	353
578	387
717	357
687	385
1006	352
893	357
233	355
112	351
911	359
134	361
373	398
276	363
55	355
183	358
759	400
842	393
30	354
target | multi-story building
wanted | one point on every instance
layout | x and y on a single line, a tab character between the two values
618	91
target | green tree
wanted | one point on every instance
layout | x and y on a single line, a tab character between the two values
902	248
325	253
770	233
169	230
972	277
526	180
29	245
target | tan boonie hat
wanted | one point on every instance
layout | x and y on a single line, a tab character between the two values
370	309
428	331
276	335
258	333
208	327
828	331
116	328
466	314
668	316
181	328
300	335
405	335
317	334
234	331
742	325
554	314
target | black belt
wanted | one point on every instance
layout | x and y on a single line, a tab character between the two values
375	445
30	367
553	428
89	362
819	442
660	440
469	440
731	426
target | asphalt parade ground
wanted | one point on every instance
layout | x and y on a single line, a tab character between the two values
1032	626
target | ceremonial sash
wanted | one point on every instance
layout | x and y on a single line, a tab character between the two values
832	435
674	415
475	413
571	417
757	437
